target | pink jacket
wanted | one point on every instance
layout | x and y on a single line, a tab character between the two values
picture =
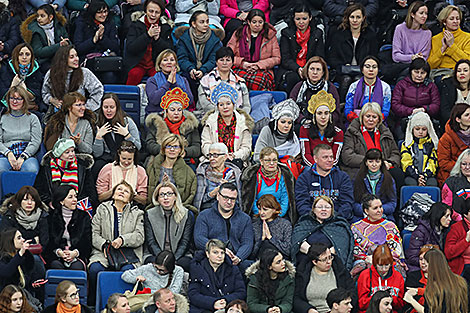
229	8
270	54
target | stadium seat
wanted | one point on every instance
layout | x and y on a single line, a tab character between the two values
408	191
254	139
406	240
12	181
54	277
109	283
277	95
129	96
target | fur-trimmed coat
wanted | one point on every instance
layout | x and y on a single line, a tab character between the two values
249	188
182	305
284	296
86	186
242	144
158	130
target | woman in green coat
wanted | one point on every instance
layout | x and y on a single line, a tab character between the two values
271	284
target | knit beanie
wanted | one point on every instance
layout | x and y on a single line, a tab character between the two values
420	119
61	145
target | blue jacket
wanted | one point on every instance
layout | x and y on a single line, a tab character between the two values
84	33
207	286
9	32
187	55
335	185
211	225
389	205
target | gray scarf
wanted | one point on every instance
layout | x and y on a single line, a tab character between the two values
199	42
28	221
49	30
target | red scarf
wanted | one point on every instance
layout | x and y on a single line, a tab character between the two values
227	133
64	172
268	181
174	127
302	40
370	144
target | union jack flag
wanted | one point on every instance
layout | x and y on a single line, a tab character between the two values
85	205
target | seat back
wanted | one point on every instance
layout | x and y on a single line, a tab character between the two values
129	96
277	95
109	283
406	241
54	277
12	181
408	191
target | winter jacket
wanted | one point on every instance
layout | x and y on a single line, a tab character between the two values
9	274
454	193
85	31
131	231
138	39
456	245
9	220
458	51
408	155
389	204
242	144
355	148
281	236
449	148
180	234
210	224
33	82
270	54
302	279
187	55
79	229
155	92
284	295
308	144
78	5
335	228
183	175
370	282
229	8
86	187
409	95
341	49
423	234
158	130
335	185
334	9
207	286
448	99
9	31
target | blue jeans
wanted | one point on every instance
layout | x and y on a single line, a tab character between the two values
29	165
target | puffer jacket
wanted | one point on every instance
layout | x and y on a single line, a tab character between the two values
449	148
429	158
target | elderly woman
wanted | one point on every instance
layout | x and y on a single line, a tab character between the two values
224	58
367	132
125	167
73	121
279	133
375	230
168	224
169	163
211	174
319	273
455	89
321	129
118	224
269	229
454	188
175	120
269	177
454	140
321	225
20	133
165	79
227	125
61	166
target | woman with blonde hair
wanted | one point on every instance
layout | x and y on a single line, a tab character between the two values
168	224
67	299
117	303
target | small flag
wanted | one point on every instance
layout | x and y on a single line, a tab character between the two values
85	205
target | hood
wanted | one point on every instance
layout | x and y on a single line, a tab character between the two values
179	31
35	67
140	15
246	118
27	33
6	206
156	124
253	268
87	159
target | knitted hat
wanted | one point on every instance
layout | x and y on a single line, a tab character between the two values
319	99
61	145
224	90
286	108
420	119
174	95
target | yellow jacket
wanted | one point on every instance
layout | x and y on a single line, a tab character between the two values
459	50
429	158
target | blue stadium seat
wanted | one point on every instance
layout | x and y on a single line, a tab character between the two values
254	139
54	277
12	181
109	283
408	191
129	96
406	240
277	95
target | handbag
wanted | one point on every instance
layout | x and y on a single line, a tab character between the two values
103	63
350	70
136	301
35	248
117	258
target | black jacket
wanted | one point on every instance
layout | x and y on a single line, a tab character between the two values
84	33
334	9
9	31
341	48
448	98
9	273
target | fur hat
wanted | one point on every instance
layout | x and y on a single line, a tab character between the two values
61	145
420	119
286	108
321	98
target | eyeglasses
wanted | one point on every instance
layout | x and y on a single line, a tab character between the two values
161	271
75	295
227	199
272	161
214	155
169	147
166	194
327	259
13	99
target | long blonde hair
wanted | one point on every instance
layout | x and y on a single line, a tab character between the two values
179	211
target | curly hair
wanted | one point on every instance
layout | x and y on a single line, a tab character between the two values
5	299
59	71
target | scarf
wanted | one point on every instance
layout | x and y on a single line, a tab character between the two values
117	175
28	222
216	177
199	42
113	140
61	308
315	88
464	135
24	69
174	127
269	180
375	93
65	172
67	216
162	79
302	40
373	178
245	45
49	31
370	144
227	133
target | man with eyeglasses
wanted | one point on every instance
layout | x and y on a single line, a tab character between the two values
226	221
323	178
